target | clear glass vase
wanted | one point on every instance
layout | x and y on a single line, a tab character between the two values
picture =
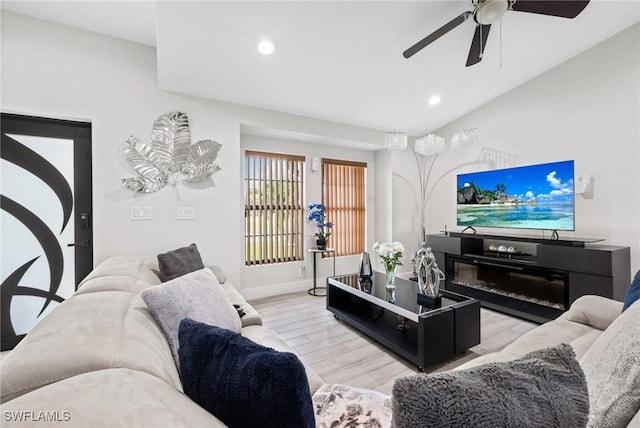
390	276
390	283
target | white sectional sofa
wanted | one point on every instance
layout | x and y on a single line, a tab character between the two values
588	320
100	359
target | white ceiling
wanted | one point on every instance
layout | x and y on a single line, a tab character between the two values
341	61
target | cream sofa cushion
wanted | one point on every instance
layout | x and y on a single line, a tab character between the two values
89	332
120	273
612	368
595	311
111	398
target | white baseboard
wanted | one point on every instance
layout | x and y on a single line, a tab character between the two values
278	289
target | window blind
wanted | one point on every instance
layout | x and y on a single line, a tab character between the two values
274	211
343	195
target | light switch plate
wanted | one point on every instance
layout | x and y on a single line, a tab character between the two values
140	213
186	213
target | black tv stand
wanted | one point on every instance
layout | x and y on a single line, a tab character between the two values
530	277
471	228
555	236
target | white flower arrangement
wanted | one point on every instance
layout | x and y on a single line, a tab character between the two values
390	254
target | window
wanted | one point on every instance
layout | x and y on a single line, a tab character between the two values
343	195
274	212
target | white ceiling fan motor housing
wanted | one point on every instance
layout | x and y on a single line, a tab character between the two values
489	11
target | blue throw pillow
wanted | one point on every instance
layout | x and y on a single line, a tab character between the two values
633	292
240	382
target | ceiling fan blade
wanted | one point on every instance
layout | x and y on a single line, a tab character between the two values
478	44
436	34
561	8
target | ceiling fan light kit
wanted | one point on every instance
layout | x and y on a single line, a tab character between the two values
489	11
486	12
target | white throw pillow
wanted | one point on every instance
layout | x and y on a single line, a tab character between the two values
196	295
612	369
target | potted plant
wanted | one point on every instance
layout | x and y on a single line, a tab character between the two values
316	214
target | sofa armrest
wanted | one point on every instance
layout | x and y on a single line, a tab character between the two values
595	311
251	317
219	274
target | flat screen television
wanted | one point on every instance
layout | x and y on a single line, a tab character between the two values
526	197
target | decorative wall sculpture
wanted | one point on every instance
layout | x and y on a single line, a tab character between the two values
171	158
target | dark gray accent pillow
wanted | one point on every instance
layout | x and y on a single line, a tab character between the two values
178	262
544	388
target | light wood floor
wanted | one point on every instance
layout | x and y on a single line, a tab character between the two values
340	354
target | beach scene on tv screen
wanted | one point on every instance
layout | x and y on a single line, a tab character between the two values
528	197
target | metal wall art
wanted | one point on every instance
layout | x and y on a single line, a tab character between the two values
170	158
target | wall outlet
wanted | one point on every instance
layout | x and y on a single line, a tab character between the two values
186	213
140	213
302	272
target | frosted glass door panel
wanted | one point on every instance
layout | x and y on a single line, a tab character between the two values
37	266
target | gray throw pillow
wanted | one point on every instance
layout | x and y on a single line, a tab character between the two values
178	262
612	368
544	388
196	295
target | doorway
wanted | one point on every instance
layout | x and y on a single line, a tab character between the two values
46	218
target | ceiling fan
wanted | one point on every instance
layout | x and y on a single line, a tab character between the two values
486	12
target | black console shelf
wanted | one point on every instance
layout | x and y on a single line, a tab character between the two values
574	242
537	284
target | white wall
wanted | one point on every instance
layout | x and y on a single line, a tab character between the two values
259	281
586	109
55	71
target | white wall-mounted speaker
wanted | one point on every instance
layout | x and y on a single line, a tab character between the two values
315	164
582	181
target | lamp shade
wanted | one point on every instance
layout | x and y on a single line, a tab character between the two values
464	137
395	141
429	145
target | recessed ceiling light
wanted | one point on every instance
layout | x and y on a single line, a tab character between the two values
266	47
434	99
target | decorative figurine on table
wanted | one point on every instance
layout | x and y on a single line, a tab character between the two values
429	277
416	260
365	272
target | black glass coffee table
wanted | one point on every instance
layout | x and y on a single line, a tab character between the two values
422	335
